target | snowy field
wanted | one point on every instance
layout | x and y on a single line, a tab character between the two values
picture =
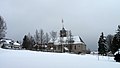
33	59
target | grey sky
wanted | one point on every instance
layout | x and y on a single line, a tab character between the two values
86	18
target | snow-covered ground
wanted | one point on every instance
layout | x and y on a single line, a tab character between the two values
33	59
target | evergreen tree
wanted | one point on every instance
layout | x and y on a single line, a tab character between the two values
28	42
114	46
25	42
116	41
102	45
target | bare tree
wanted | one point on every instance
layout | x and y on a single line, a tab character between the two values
37	37
109	39
47	38
2	28
53	35
31	41
70	40
42	37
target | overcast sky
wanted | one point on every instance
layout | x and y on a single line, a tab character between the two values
86	18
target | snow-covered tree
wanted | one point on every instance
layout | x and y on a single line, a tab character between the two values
2	28
116	41
102	49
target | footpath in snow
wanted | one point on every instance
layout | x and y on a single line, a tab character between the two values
34	59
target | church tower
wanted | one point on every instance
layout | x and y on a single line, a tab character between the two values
63	32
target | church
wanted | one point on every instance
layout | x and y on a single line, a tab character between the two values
66	42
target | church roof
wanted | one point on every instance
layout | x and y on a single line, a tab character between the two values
64	40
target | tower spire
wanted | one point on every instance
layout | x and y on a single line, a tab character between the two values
63	32
62	23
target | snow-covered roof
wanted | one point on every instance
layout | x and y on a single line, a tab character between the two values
15	43
64	40
7	41
77	40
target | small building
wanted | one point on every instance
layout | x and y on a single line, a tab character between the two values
6	43
9	44
16	45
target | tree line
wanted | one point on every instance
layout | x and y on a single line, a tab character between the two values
110	43
39	40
